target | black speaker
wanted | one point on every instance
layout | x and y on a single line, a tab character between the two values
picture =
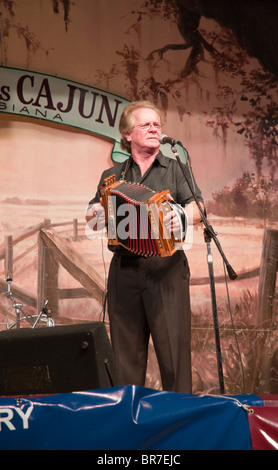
59	359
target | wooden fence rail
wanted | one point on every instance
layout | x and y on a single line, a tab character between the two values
92	285
7	254
54	251
22	236
268	273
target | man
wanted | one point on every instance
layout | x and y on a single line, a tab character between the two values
150	295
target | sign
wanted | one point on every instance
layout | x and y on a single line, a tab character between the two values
128	418
57	100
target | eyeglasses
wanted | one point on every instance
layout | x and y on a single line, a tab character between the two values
147	125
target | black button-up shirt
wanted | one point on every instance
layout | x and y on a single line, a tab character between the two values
165	173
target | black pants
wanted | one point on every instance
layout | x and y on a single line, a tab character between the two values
151	296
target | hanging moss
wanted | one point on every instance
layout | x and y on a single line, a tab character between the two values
66	7
55	4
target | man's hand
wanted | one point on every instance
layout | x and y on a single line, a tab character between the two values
95	216
171	220
193	217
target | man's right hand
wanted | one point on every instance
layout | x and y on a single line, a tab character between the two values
95	216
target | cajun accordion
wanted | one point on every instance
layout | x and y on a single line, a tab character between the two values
134	218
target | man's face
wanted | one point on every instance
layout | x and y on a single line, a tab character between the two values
146	130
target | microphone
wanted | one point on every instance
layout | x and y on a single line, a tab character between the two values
164	139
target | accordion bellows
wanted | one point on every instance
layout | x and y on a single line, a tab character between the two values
134	218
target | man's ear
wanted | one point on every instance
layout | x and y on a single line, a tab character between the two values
128	137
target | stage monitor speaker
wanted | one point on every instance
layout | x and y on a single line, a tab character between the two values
59	359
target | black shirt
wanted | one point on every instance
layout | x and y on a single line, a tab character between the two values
165	173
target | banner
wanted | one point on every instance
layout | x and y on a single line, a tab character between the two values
127	418
263	422
61	101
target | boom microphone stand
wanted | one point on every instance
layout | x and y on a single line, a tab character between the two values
45	314
209	234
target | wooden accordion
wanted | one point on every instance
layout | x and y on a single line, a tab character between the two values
134	218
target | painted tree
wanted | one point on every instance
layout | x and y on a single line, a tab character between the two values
249	90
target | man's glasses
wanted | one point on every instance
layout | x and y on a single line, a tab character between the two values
147	125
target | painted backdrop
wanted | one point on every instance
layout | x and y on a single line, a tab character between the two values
212	68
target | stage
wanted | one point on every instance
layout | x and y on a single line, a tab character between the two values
133	418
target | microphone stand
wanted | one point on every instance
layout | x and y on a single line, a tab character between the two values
209	234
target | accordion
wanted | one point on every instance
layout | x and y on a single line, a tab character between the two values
134	218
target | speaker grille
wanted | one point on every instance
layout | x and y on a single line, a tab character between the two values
56	360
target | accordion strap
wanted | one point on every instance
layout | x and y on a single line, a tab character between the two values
181	215
125	169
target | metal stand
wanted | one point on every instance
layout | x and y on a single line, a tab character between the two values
209	234
44	315
214	312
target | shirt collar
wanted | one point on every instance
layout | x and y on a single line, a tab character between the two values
160	160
